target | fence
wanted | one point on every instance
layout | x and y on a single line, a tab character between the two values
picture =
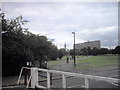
33	79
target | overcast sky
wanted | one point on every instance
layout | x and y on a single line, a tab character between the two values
56	20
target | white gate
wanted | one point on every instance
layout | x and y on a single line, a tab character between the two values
33	79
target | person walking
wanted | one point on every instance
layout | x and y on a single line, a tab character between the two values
67	60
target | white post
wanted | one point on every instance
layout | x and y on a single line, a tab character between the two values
29	81
34	77
63	81
20	76
86	83
48	79
37	81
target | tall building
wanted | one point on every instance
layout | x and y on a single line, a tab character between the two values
90	44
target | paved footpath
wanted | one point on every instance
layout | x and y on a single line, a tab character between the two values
64	66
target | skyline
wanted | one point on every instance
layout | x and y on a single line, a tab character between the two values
57	20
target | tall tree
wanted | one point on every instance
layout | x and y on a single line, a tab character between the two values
62	52
19	46
117	50
12	45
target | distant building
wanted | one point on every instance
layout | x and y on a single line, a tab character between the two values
90	44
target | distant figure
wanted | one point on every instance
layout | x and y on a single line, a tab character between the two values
72	57
67	60
44	65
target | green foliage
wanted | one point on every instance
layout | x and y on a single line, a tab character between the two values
62	53
71	52
95	51
13	51
53	52
20	46
104	51
117	50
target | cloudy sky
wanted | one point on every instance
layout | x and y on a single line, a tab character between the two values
56	20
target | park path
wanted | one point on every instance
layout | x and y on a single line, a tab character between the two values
64	66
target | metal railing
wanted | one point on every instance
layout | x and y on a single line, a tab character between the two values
35	83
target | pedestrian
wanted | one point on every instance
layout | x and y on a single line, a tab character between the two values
72	57
67	60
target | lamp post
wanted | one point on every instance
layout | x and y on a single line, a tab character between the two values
74	49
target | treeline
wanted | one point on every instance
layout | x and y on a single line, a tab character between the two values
96	51
19	46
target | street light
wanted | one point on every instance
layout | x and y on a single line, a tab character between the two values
74	49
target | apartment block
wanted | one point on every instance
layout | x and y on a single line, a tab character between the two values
90	44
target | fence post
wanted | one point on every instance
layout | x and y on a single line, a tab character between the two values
37	81
63	81
48	79
25	76
60	67
34	75
86	84
20	76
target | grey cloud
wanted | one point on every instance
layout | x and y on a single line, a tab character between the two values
58	18
109	36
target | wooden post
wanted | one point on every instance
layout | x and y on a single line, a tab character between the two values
86	84
25	77
63	81
48	79
60	67
20	76
34	79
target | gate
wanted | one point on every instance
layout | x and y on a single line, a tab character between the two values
34	83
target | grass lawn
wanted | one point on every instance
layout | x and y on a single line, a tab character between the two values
97	61
52	63
80	56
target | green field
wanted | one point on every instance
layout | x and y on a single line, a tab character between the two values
97	61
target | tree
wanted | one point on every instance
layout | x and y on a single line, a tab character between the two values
104	51
62	53
77	52
89	50
95	51
53	52
19	46
117	50
71	52
13	51
84	51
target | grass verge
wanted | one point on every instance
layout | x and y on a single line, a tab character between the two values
97	61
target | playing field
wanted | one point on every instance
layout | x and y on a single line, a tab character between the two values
97	61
